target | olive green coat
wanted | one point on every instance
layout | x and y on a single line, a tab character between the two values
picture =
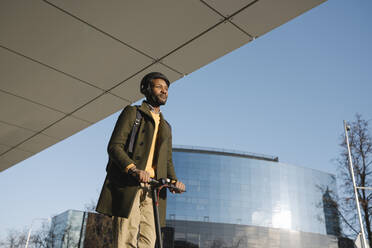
119	189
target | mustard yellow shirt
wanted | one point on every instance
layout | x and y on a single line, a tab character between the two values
150	166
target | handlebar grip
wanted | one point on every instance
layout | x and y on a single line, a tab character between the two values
165	181
153	181
161	181
172	186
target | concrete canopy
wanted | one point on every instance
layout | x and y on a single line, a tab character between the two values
67	64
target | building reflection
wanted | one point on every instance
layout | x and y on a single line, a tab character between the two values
237	199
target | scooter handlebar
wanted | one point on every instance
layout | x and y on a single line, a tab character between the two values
166	182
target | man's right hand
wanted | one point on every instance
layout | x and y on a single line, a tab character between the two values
141	175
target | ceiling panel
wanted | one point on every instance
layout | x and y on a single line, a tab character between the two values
210	46
66	127
15	156
41	84
101	108
130	89
58	56
154	27
60	41
11	135
227	8
3	148
26	114
266	15
38	143
4	164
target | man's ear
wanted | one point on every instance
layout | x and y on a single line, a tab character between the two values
149	89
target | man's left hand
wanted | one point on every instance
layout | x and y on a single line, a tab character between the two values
180	186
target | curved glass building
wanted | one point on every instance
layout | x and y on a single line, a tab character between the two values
233	200
237	199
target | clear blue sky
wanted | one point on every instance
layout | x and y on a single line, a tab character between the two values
284	94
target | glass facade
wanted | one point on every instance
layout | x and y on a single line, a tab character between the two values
67	229
187	234
233	199
238	189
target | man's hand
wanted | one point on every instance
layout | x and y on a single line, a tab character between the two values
141	175
180	186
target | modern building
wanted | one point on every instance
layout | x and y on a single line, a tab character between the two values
68	229
78	229
238	199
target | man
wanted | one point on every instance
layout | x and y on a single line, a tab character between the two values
126	194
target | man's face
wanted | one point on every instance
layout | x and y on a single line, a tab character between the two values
159	91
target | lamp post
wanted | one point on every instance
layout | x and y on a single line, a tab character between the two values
29	231
351	169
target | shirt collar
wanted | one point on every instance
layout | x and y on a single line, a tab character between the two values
152	108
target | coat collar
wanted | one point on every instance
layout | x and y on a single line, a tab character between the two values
162	133
146	110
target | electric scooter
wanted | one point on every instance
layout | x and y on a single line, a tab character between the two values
156	186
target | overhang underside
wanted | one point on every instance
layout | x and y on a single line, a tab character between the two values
67	64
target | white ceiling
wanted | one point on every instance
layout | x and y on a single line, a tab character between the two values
67	64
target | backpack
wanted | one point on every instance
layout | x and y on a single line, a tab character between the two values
135	130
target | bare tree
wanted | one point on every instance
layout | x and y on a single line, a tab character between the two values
14	239
43	237
91	206
47	236
361	149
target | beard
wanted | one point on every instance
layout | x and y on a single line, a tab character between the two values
157	100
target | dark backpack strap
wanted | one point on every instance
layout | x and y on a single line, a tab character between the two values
134	130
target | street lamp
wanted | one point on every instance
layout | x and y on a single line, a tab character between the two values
351	170
29	231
